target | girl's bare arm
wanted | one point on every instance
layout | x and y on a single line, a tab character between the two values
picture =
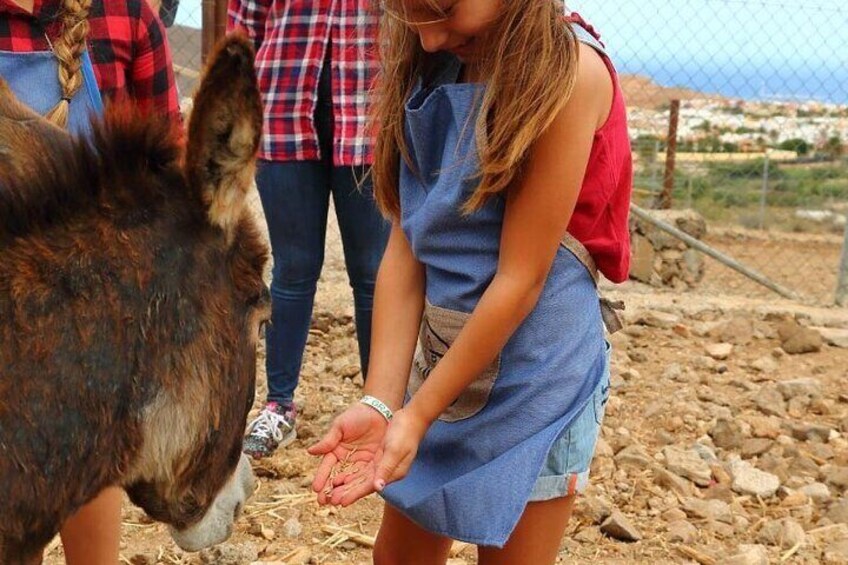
398	305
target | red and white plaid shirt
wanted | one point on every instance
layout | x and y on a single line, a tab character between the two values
127	42
291	38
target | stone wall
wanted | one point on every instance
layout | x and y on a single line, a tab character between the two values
660	259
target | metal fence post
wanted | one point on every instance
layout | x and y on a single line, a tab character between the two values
842	281
764	195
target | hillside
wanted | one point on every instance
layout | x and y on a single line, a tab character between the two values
642	92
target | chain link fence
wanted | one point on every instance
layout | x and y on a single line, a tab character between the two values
762	128
184	36
762	132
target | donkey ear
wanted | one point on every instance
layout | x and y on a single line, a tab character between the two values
24	135
224	132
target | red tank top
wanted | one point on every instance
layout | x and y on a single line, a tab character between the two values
600	219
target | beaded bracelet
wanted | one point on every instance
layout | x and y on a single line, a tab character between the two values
379	406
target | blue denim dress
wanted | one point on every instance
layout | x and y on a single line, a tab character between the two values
34	79
478	464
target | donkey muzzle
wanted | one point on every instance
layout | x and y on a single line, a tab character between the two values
216	526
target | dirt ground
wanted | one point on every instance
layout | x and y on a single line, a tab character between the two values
700	381
807	264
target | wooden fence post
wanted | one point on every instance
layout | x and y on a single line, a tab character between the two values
665	199
214	24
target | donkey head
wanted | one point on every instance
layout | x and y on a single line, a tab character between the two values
131	275
190	472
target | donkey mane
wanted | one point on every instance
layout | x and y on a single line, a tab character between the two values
110	173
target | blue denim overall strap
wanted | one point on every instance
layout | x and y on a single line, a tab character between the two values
584	36
34	78
478	464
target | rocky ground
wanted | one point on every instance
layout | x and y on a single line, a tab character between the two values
725	441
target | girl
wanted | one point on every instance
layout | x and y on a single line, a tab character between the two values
504	162
59	57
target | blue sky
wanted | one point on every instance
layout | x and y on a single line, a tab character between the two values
705	30
796	49
748	47
718	31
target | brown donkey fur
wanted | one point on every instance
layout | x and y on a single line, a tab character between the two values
131	297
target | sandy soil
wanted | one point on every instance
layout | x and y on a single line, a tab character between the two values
669	393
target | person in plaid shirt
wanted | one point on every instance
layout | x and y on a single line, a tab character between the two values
61	57
315	61
126	41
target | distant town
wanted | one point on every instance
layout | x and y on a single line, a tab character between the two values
714	124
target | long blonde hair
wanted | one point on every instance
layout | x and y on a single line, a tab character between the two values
530	69
68	49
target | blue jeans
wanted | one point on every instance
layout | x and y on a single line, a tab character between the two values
295	197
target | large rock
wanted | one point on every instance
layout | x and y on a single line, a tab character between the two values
643	255
705	452
753	447
837	477
810	432
688	464
748	555
719	351
617	526
668	480
656	319
806	387
726	434
838	511
816	491
707	510
634	456
765	364
769	400
598	508
738	331
681	531
749	480
837	337
803	466
796	339
785	533
764	426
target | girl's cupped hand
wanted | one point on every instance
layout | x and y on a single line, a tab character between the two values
348	456
362	453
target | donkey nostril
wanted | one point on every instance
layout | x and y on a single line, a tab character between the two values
237	511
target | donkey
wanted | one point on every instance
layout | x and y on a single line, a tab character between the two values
131	301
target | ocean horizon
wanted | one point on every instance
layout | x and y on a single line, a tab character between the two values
726	47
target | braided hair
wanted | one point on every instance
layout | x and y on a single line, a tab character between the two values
68	50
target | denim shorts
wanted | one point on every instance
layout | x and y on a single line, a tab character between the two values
566	470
